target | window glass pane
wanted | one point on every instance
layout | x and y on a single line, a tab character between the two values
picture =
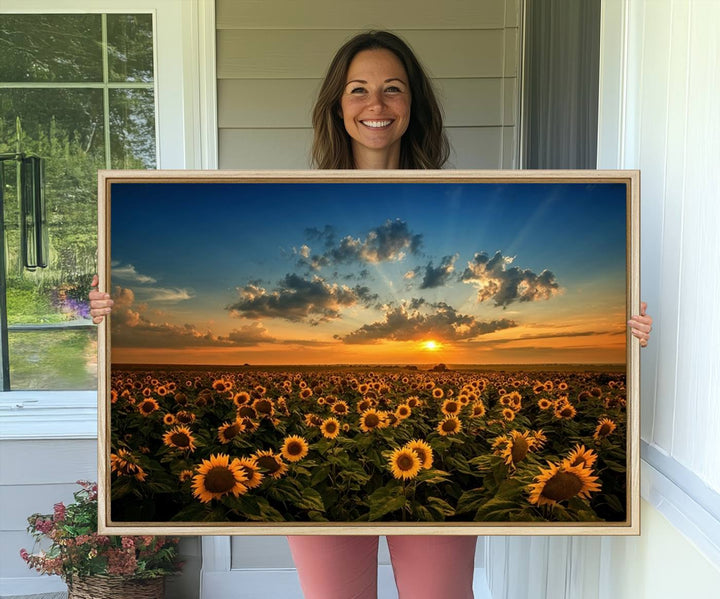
54	359
130	47
38	48
52	343
132	128
53	121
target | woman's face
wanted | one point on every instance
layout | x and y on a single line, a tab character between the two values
375	104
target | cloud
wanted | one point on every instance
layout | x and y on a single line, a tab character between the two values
129	274
496	280
171	296
298	299
437	277
131	327
417	320
390	242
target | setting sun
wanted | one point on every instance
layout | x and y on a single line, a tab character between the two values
431	345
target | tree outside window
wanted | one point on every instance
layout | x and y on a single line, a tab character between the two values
78	91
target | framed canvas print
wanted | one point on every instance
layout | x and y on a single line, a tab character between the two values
369	352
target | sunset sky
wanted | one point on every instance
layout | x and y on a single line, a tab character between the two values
368	273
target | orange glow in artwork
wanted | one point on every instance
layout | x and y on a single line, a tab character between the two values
431	345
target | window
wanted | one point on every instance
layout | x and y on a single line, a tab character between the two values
78	91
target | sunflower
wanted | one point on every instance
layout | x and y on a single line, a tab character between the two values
220	385
179	437
264	407
423	451
123	463
508	414
305	393
477	409
517	447
113	395
147	406
169	419
247	412
451	407
252	471
271	463
540	438
184	417
330	428
565	411
438	393
450	426
582	457
562	482
313	420
185	475
250	425
229	430
218	477
500	444
370	419
242	398
413	401
294	448
544	403
364	405
340	408
403	411
604	428
391	419
404	463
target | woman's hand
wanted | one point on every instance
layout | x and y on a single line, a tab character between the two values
641	325
100	303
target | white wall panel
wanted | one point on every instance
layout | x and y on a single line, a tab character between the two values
697	415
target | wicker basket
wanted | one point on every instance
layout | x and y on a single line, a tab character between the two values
116	587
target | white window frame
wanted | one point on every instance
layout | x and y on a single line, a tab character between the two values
186	131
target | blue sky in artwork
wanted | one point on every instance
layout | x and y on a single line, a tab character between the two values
338	264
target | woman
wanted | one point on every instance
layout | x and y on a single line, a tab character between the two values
377	110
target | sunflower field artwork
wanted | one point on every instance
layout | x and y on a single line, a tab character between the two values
303	352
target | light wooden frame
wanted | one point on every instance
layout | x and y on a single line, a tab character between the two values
629	527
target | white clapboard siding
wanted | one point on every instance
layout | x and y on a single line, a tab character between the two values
288	103
471	148
264	148
399	14
35	475
306	53
271	58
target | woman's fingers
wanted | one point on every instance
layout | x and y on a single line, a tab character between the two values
100	302
641	325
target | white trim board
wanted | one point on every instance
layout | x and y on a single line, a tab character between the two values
683	511
48	415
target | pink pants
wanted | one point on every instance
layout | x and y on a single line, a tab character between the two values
345	567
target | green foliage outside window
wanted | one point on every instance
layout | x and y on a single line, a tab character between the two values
76	90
